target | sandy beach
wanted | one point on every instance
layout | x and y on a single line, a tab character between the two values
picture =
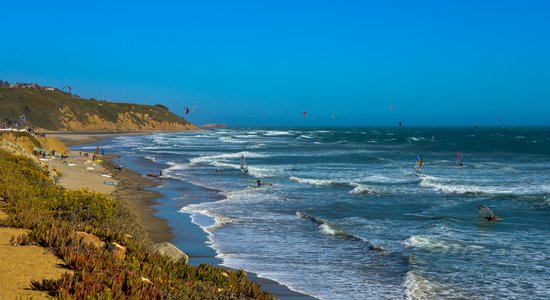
158	214
102	176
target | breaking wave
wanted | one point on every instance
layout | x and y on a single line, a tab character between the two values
328	228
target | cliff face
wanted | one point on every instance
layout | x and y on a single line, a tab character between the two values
59	111
125	121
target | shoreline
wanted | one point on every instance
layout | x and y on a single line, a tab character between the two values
161	218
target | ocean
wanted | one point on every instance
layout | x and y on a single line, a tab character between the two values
342	215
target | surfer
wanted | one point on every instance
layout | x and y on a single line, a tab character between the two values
259	182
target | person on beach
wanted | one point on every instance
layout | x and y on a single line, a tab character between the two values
259	182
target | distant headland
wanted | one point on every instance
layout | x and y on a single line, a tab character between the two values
47	108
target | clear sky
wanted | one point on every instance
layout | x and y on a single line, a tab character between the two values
265	62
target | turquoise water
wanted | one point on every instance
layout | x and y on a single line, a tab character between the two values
347	218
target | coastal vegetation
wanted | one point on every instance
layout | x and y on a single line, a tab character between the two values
53	109
57	219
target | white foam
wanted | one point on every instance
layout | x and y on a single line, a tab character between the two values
319	182
376	178
219	221
151	158
419	287
277	133
446	186
425	242
447	245
327	229
231	140
217	157
362	189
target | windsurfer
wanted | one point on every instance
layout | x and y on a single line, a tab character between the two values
487	214
244	166
491	218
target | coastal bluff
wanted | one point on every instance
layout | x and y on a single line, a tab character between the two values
48	109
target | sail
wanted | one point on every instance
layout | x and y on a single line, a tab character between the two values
485	213
418	164
459	158
244	165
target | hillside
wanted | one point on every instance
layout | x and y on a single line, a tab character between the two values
56	110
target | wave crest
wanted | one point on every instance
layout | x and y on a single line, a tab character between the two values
328	228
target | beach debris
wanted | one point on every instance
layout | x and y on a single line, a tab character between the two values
90	168
168	249
71	165
110	183
106	175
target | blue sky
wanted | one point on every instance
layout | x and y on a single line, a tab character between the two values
265	62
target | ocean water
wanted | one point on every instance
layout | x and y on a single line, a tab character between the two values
344	216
